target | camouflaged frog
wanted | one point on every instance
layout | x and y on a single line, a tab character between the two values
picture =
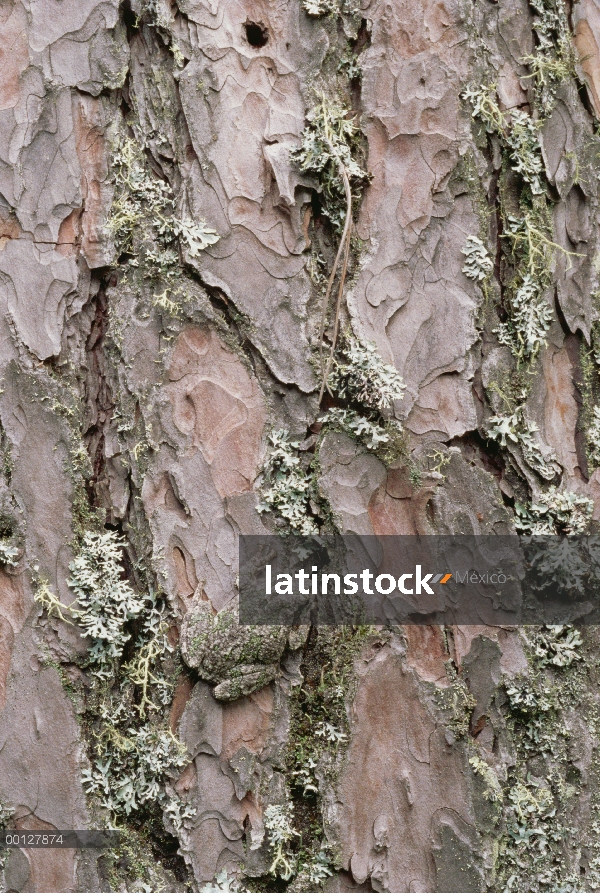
240	659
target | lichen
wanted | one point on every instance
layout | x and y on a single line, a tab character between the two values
287	487
329	144
493	788
528	235
478	263
527	260
321	7
130	764
278	820
518	131
360	376
319	725
537	847
372	433
105	602
555	512
589	420
147	231
6	814
517	430
554	59
455	703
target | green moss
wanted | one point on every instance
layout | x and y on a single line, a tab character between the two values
589	416
318	736
138	857
328	687
455	703
59	390
539	845
465	174
396	448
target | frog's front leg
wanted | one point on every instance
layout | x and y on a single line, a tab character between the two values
244	679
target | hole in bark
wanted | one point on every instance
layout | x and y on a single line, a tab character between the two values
129	18
256	34
363	37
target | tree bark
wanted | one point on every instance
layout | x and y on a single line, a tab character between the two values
165	251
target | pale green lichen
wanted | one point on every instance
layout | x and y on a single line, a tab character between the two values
516	429
555	512
518	131
589	419
106	602
528	234
287	486
289	483
130	769
558	646
130	763
330	733
314	867
223	883
554	59
478	263
330	150
526	330
305	778
321	7
49	602
278	821
493	790
6	814
372	433
9	554
593	439
456	704
522	138
537	841
146	230
533	252
330	145
360	376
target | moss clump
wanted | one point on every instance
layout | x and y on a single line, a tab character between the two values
130	764
589	418
554	60
455	703
318	735
539	846
331	148
319	726
149	236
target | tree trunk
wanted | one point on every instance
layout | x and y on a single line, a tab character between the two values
292	266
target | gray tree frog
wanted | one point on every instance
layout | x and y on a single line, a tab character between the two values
239	659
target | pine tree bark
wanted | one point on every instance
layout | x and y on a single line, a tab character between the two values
164	257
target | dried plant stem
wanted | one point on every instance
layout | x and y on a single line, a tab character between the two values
343	250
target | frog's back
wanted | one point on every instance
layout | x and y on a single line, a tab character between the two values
216	643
